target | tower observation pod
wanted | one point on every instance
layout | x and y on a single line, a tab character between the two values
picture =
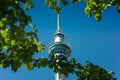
59	48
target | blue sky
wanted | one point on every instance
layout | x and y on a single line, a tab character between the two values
98	42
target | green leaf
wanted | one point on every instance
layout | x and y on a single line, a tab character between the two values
5	64
32	25
28	66
15	64
88	11
97	16
29	4
75	1
118	9
4	19
94	3
6	47
40	47
1	24
13	42
64	2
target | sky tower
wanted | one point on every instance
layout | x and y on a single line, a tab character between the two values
59	48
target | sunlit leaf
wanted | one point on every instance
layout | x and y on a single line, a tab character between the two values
1	24
13	42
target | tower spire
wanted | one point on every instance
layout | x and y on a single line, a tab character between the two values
58	16
58	21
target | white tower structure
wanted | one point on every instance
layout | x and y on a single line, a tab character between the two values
59	48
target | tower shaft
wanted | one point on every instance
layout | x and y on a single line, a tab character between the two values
59	76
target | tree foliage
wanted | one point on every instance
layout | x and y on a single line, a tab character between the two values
93	7
18	45
88	71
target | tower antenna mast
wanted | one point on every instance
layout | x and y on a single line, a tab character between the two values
58	16
58	21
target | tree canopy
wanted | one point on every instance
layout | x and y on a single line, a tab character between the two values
18	46
93	7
